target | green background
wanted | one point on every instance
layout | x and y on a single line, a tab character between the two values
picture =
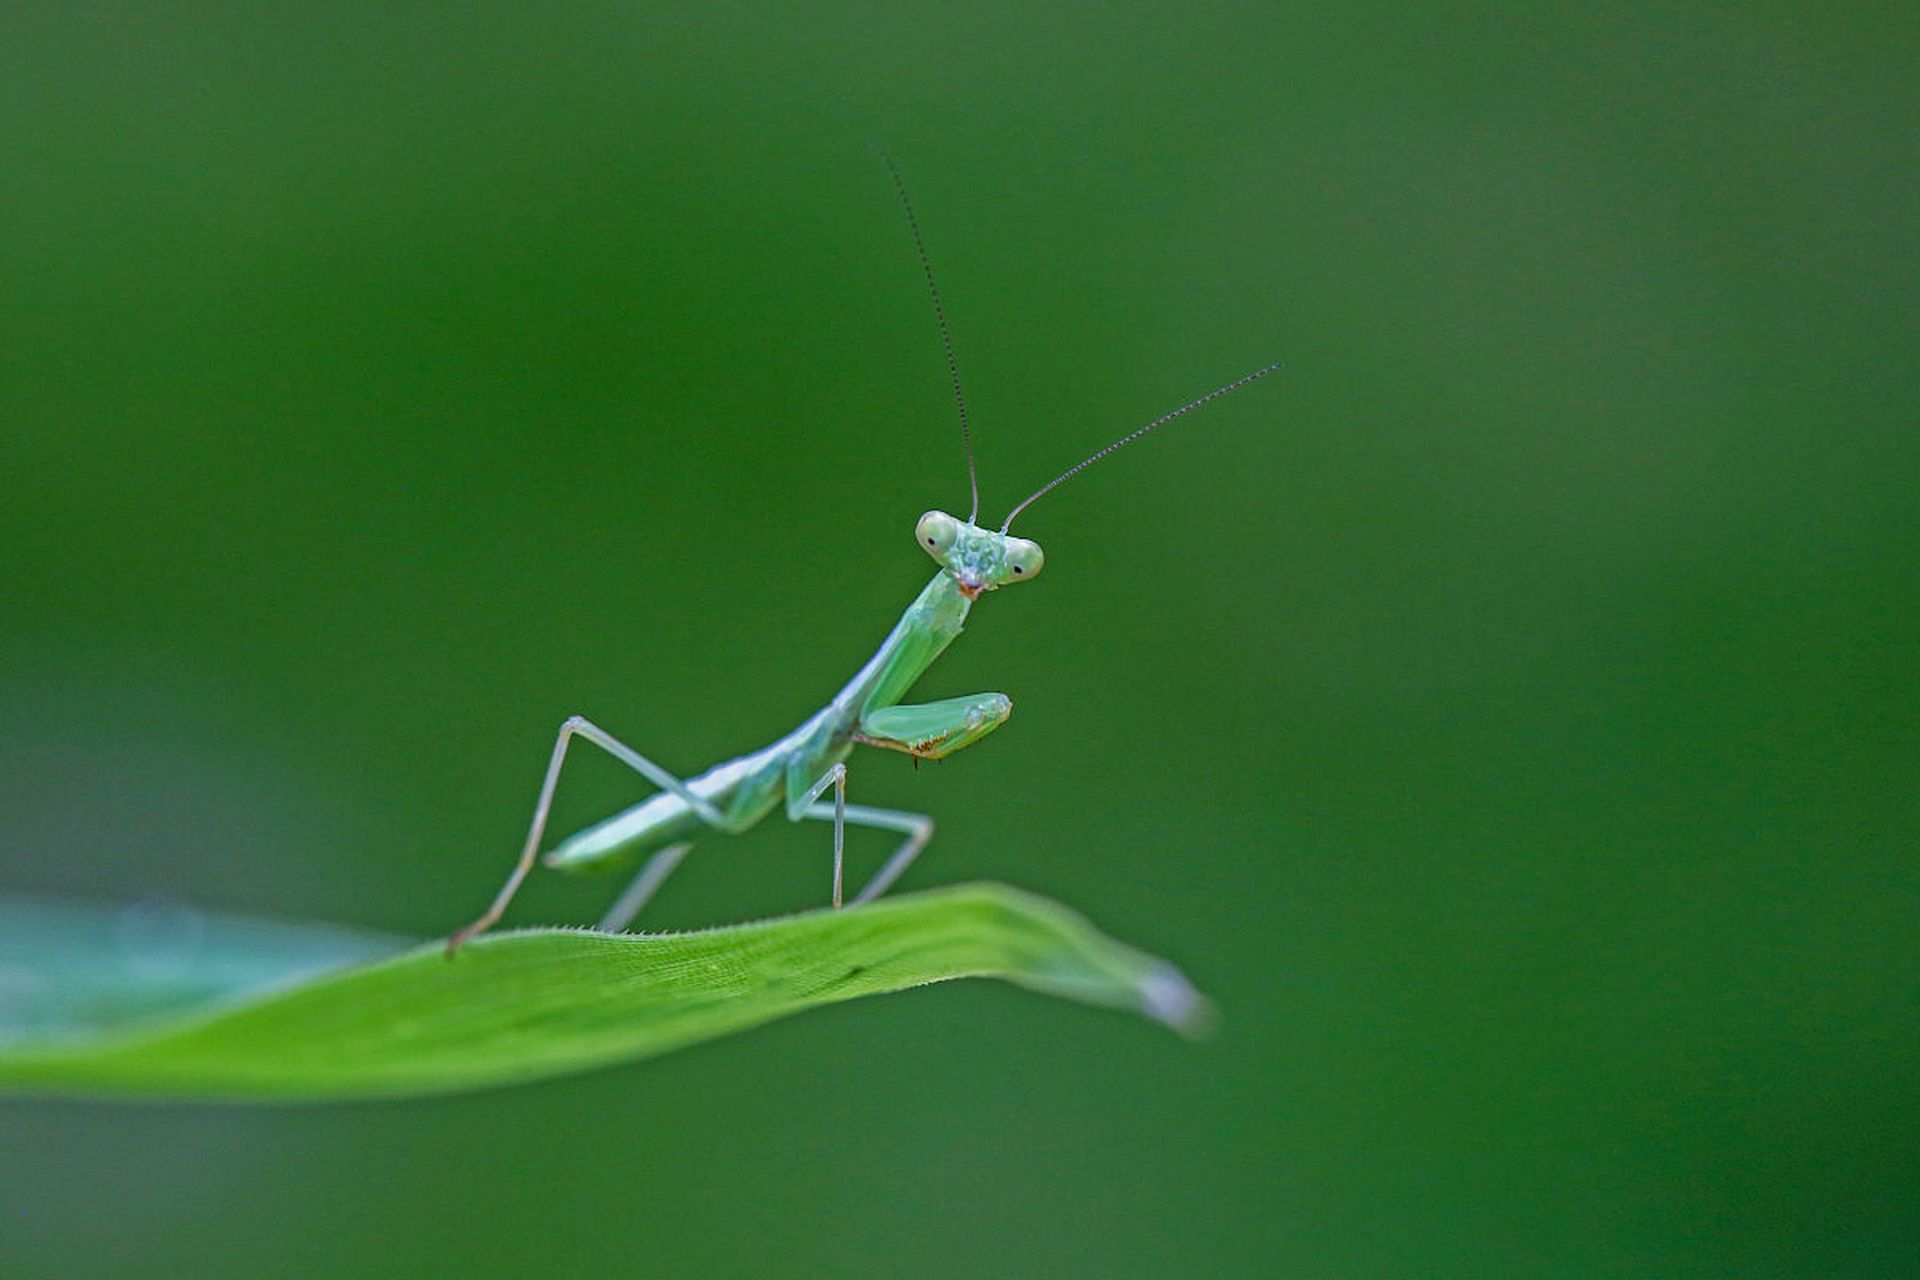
1507	713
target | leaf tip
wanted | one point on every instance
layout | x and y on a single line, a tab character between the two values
1169	999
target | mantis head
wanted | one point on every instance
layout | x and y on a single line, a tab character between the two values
978	559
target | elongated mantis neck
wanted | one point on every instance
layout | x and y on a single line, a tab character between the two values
926	628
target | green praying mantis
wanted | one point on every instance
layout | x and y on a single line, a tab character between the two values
798	768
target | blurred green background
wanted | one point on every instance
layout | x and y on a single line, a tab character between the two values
1507	713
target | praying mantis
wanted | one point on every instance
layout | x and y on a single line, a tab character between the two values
800	767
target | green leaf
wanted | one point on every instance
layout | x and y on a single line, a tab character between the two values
172	1004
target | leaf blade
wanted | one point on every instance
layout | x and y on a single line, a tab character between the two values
521	1006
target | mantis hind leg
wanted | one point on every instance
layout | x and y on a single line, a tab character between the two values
658	776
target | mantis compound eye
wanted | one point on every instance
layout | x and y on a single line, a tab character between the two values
936	532
1024	559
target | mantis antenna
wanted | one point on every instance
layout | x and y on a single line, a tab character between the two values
946	338
1189	407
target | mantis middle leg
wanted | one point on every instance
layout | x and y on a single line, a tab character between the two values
918	828
663	863
927	731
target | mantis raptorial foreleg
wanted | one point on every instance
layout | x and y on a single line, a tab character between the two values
932	730
657	775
